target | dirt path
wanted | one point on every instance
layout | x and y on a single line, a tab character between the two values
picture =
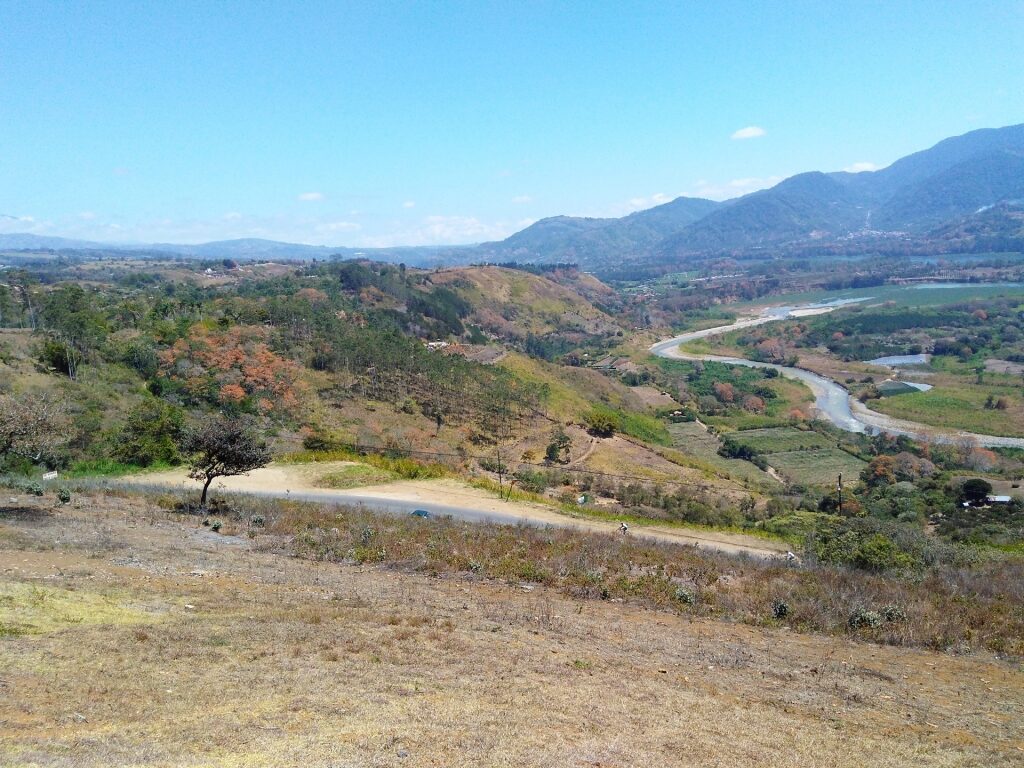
586	454
443	497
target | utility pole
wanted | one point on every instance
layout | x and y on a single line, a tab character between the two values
840	494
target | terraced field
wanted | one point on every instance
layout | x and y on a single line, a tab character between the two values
693	439
779	439
801	456
819	466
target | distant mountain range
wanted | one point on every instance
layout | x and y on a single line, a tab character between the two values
923	199
243	249
965	193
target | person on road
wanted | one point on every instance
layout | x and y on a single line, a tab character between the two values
623	529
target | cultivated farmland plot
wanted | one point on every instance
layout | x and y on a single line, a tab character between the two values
693	439
819	466
780	439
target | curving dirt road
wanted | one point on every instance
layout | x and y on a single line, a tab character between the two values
442	497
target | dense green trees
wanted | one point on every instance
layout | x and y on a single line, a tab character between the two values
151	434
75	328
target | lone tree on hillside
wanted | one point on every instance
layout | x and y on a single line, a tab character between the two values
601	424
30	425
221	447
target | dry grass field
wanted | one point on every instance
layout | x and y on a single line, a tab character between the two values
133	637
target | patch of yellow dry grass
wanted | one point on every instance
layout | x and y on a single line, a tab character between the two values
31	608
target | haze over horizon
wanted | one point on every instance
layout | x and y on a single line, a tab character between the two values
372	126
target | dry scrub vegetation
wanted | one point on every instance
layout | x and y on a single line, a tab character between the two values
133	636
945	609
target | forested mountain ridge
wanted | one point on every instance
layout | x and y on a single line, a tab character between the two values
591	241
889	208
909	198
906	201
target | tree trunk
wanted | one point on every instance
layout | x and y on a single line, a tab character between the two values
206	487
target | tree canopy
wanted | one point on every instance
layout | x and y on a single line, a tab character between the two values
222	446
30	425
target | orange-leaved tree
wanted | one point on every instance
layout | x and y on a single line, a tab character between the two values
229	367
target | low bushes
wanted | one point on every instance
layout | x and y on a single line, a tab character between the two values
402	466
945	606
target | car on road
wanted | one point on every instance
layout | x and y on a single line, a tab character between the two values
420	513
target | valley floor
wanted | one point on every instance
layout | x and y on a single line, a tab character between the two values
129	636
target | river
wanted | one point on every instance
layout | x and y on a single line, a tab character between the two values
832	400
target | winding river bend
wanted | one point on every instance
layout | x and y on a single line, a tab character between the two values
832	400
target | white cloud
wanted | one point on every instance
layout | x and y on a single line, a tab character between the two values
632	205
443	230
337	226
861	167
522	199
311	197
409	204
232	216
87	216
750	132
658	198
16	224
735	188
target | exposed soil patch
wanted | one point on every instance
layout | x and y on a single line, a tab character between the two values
653	397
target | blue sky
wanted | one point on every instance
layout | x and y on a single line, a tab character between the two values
398	123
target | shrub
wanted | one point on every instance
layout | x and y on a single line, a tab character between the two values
55	355
34	488
862	617
685	596
601	423
322	441
780	609
893	613
64	495
866	544
530	480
